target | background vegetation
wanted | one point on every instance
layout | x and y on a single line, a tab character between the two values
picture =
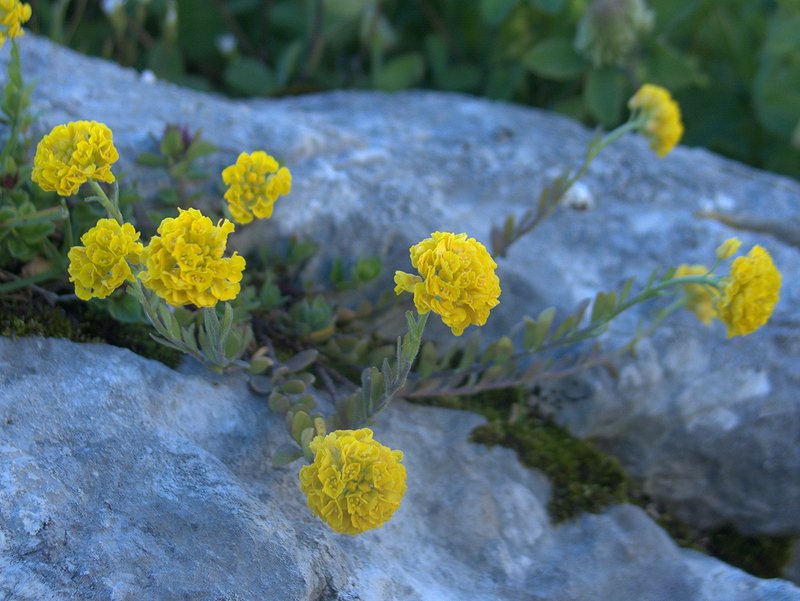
734	65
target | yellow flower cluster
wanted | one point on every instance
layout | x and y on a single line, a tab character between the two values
662	125
355	483
184	263
458	280
750	294
699	298
72	154
13	14
255	182
101	265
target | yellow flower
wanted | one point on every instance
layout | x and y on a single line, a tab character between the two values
728	248
255	182
662	125
102	264
458	280
355	483
699	298
184	263
13	14
72	154
750	294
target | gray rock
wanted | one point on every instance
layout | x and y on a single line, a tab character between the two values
125	480
710	426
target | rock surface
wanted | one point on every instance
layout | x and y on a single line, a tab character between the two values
711	426
123	479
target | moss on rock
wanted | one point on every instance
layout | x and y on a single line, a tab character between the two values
79	322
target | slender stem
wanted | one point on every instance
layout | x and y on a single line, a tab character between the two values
553	195
18	282
405	361
593	327
597	147
42	216
110	207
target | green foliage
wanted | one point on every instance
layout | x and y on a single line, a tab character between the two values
733	65
179	151
22	316
582	477
762	556
24	229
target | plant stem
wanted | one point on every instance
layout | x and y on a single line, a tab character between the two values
108	205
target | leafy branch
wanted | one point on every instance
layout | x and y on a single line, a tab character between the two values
287	384
502	366
551	196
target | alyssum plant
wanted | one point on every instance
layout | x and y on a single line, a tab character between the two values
185	284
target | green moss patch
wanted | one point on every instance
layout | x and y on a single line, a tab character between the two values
583	478
20	317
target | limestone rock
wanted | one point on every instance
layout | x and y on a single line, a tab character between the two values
123	479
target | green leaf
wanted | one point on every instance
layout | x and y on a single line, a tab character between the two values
306	436
125	308
626	290
151	159
198	27
279	403
437	54
165	60
550	6
301	360
347	9
494	11
605	93
460	78
469	353
784	35
300	421
172	142
227	322
293	387
288	61
555	58
285	454
249	77
200	148
169	197
367	269
536	332
401	72
673	70
33	235
237	7
18	249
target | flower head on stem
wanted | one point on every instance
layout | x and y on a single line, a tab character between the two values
102	264
457	280
184	263
660	117
73	154
255	182
355	483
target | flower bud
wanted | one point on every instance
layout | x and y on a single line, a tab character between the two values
728	248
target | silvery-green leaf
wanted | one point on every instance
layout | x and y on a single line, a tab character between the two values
285	454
